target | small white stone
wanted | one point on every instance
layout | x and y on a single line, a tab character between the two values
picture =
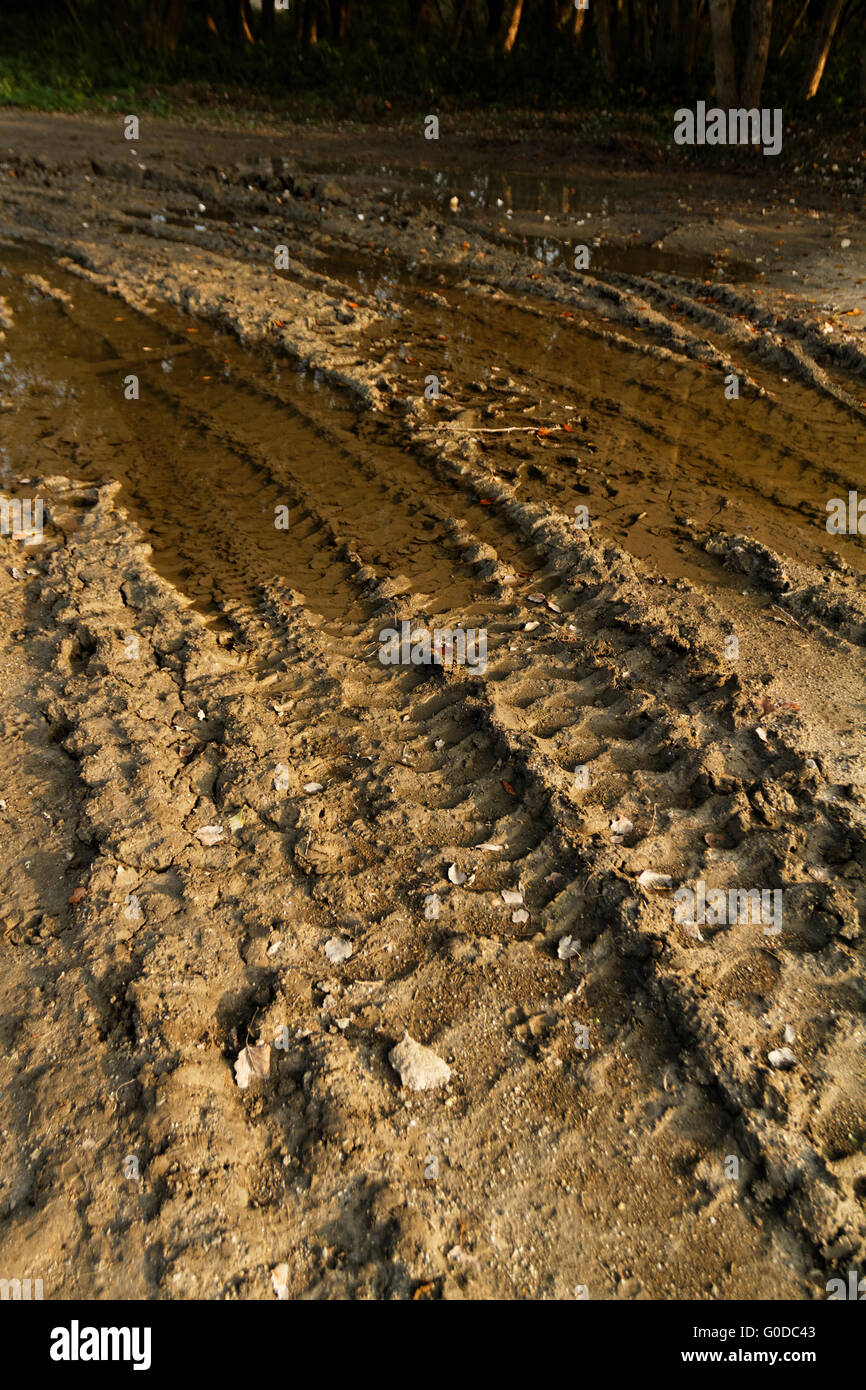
338	949
567	948
418	1067
658	882
783	1058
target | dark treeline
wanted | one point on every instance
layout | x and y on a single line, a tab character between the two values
742	52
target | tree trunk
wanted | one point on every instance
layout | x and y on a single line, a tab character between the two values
511	24
666	27
460	23
602	37
760	29
645	35
340	14
419	18
494	17
723	53
310	32
173	24
794	27
151	25
823	39
689	45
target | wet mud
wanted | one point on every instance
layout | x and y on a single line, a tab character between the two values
460	434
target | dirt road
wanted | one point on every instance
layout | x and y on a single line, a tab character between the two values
279	398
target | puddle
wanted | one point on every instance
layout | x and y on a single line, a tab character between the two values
585	203
223	436
668	448
219	439
639	260
479	190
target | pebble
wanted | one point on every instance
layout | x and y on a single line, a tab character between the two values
338	949
418	1067
782	1058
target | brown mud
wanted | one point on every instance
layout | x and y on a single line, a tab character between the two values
138	961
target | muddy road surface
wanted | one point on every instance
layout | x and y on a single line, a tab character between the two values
424	636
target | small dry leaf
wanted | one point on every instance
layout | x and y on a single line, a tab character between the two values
237	820
252	1063
554	607
280	1281
567	948
77	895
455	876
311	787
508	787
535	598
530	627
210	834
511	897
762	734
490	847
820	873
520	916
